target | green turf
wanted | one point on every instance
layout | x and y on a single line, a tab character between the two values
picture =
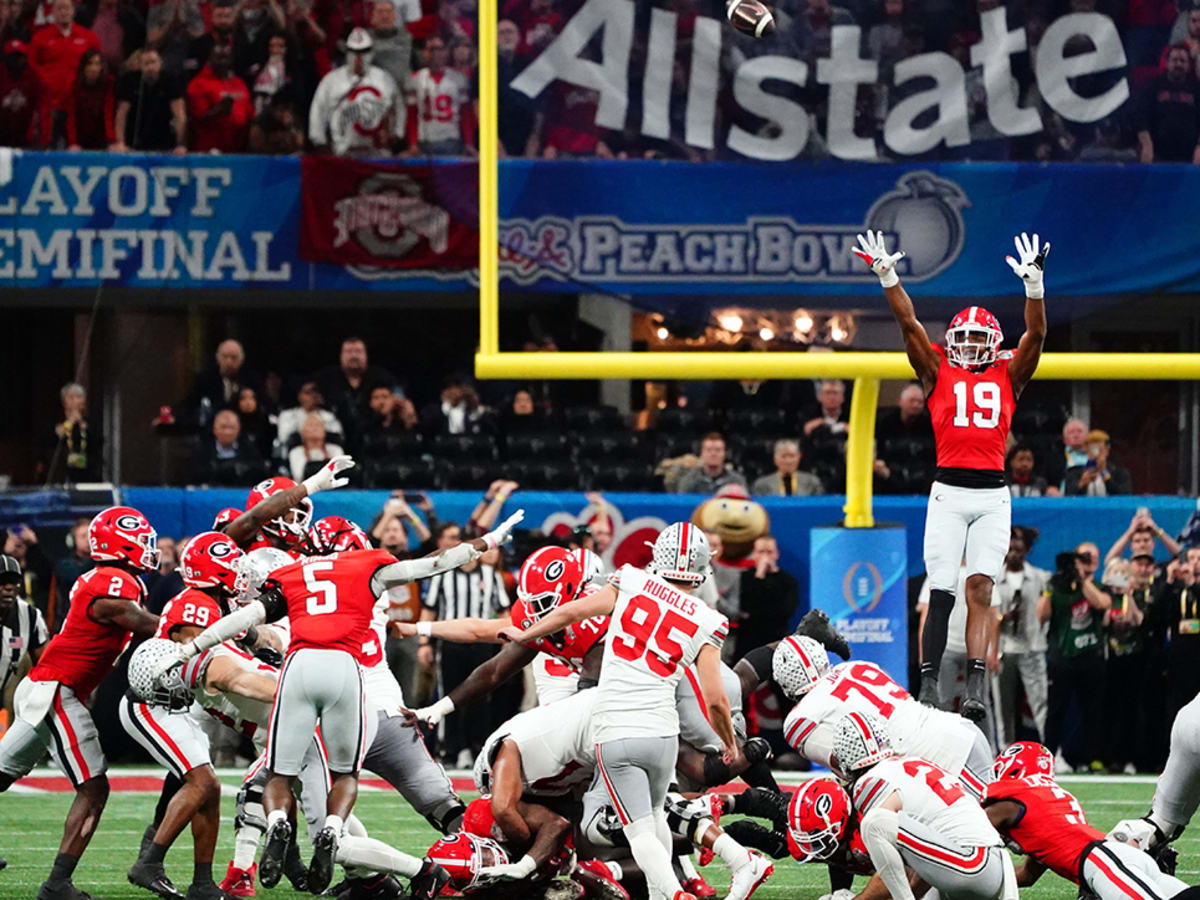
30	827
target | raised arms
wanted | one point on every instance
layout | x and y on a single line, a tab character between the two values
1029	269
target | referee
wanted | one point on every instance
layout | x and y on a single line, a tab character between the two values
474	590
23	633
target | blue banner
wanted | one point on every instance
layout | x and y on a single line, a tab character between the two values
628	226
859	577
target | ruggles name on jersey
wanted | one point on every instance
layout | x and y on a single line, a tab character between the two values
670	596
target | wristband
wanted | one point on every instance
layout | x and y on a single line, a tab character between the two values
1035	292
425	629
490	540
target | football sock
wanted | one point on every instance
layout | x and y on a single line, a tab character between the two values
933	635
733	853
759	775
651	857
245	846
275	815
202	872
336	823
64	867
370	855
155	853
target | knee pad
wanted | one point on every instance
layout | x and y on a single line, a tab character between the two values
687	818
250	812
448	817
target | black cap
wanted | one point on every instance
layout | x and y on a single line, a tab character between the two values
1145	556
10	569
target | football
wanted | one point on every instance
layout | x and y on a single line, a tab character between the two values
752	17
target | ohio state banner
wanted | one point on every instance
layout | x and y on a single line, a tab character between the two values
389	216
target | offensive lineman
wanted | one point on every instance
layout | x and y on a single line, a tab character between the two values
971	388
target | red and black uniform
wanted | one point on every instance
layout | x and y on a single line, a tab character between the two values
188	607
1051	828
972	410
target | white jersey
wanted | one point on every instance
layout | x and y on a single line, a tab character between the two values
439	101
929	794
379	684
558	749
244	715
915	729
356	115
654	632
554	679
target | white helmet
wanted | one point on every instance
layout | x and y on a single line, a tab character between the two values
798	664
592	565
359	50
681	553
860	741
158	690
257	566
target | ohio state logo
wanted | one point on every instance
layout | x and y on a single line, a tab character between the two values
363	111
390	216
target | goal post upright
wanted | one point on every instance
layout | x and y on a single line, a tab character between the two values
489	184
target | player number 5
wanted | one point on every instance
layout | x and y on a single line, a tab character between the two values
986	396
323	598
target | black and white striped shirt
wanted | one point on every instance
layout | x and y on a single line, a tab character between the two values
478	593
22	633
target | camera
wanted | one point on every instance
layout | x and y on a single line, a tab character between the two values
1066	576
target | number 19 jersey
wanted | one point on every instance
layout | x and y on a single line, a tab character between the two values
330	604
655	631
971	411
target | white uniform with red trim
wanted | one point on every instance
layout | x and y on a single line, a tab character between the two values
917	730
944	835
439	100
558	753
245	715
553	679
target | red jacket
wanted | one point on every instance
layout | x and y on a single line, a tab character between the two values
55	57
227	133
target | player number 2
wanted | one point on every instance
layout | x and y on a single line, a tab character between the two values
986	396
323	598
939	780
638	626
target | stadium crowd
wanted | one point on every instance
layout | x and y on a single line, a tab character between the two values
237	76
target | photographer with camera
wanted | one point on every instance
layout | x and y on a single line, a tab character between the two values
1075	607
1181	610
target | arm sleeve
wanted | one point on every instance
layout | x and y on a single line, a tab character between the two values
760	659
409	570
233	624
880	830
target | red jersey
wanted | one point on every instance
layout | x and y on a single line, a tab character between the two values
571	644
972	410
55	57
84	651
1052	828
188	607
330	604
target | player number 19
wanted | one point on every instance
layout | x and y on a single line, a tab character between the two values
323	598
986	397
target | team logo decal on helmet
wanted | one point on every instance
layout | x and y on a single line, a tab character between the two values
818	817
549	577
1022	759
122	534
213	560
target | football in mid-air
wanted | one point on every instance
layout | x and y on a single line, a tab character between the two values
752	17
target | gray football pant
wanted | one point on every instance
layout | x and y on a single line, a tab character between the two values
952	685
636	772
397	754
1178	792
958	871
322	686
1017	670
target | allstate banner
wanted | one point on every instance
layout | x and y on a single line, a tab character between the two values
359	213
859	576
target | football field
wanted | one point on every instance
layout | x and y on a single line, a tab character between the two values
31	820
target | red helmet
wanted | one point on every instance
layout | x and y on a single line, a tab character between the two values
122	534
333	534
961	350
1022	759
212	560
224	517
818	818
463	855
292	526
478	819
550	576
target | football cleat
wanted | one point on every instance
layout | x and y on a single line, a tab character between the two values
206	891
598	881
294	869
270	866
153	878
749	876
428	883
699	888
817	626
320	870
930	695
66	891
239	882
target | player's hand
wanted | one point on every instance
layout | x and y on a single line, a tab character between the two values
327	477
875	254
167	664
503	534
1031	265
510	634
523	868
404	629
1135	832
430	716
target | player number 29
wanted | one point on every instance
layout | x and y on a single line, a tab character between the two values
986	400
323	598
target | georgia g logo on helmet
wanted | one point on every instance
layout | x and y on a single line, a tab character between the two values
128	523
555	569
823	805
222	549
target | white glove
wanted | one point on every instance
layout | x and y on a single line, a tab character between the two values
168	663
1031	266
433	715
523	868
874	253
327	478
1136	832
502	535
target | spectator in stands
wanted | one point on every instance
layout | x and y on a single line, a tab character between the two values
1190	38
885	39
825	434
120	28
441	108
21	543
1098	477
168	562
54	53
1108	145
273	76
92	106
565	125
521	414
218	385
390	413
1168	114
222	15
1022	638
787	479
1074	607
274	132
600	528
171	27
1074	453
20	97
150	108
393	42
366	123
516	109
11	28
68	568
1127	625
462	58
254	23
1022	480
347	386
390	528
812	28
75	450
713	472
404	602
1140	537
768	599
308	402
219	106
313	448
904	446
459	410
256	425
1181	610
217	455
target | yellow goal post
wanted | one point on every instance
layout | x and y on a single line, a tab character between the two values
866	369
